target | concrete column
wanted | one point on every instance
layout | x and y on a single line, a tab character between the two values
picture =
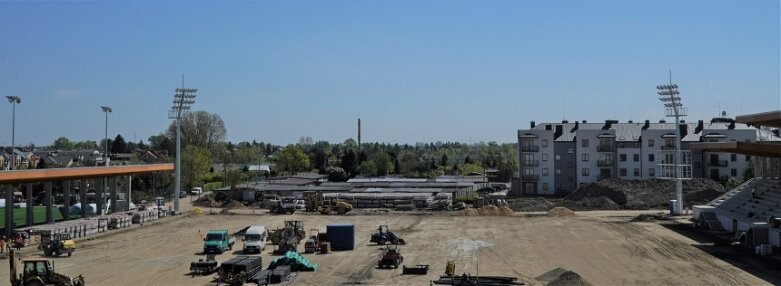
29	210
113	193
83	197
101	183
9	210
128	198
66	200
48	201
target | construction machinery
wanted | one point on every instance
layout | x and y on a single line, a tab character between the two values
312	244
390	257
202	267
54	244
288	237
39	272
384	235
286	205
340	207
313	200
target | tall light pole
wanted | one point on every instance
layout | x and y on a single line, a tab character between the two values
9	193
14	100
183	99
106	110
669	95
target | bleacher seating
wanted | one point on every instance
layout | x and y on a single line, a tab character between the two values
753	201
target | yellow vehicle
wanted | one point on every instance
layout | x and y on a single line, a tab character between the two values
56	244
339	207
40	272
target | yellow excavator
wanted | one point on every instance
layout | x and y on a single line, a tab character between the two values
39	272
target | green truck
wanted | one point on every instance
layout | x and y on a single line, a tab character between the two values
218	241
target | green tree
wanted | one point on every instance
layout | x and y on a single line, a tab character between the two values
62	143
195	164
118	145
86	145
348	162
367	168
199	128
443	161
471	168
467	160
383	163
292	159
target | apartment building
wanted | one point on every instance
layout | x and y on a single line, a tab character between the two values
559	157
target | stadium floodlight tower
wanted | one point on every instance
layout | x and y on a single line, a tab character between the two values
183	99
674	164
14	100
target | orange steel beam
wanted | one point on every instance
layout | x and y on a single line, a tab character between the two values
41	175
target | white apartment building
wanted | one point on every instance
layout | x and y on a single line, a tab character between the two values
559	157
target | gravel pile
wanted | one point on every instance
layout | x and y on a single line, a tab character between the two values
561	212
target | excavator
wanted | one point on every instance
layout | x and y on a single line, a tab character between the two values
39	272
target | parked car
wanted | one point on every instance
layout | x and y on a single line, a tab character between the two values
182	194
300	204
197	191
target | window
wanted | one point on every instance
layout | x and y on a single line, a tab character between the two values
528	171
544	186
733	172
544	142
558	171
636	172
650	157
621	145
733	158
651	172
570	150
528	158
584	157
545	157
636	157
650	143
622	172
584	143
558	157
584	172
544	171
622	157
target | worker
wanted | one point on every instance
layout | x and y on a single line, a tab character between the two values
18	242
2	244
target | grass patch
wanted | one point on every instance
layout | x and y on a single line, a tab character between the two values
208	187
39	215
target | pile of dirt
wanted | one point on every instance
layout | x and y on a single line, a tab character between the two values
561	212
489	210
531	205
212	201
645	194
231	204
225	212
562	277
648	218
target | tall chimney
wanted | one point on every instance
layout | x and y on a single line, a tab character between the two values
359	134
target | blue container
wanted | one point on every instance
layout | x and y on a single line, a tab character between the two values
341	236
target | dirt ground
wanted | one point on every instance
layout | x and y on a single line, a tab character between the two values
603	247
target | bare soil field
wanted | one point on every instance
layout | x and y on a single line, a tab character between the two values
603	248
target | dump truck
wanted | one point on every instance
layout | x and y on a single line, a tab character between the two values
39	272
384	235
54	244
286	205
218	241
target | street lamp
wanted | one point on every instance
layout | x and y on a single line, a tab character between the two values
14	100
669	95
183	99
106	110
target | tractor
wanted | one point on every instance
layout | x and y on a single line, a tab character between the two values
39	272
390	257
54	244
293	232
384	235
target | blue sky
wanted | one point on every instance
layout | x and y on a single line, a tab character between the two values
413	71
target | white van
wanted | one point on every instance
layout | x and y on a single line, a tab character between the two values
197	191
255	239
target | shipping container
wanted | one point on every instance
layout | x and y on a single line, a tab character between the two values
341	236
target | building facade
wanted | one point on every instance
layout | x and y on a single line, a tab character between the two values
557	158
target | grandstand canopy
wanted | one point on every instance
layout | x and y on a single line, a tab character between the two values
769	119
40	175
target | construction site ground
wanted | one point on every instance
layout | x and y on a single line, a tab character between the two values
603	247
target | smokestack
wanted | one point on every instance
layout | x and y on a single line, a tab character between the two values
359	134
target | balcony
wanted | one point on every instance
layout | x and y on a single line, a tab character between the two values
668	147
531	163
530	148
717	163
605	148
605	163
530	178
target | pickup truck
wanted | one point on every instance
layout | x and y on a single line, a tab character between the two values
218	241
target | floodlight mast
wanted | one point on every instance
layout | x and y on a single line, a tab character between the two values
183	99
669	95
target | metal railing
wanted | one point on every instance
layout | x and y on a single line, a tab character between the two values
605	163
530	178
530	148
531	163
605	148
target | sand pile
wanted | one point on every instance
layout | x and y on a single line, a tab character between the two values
561	212
490	210
648	217
233	205
562	277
